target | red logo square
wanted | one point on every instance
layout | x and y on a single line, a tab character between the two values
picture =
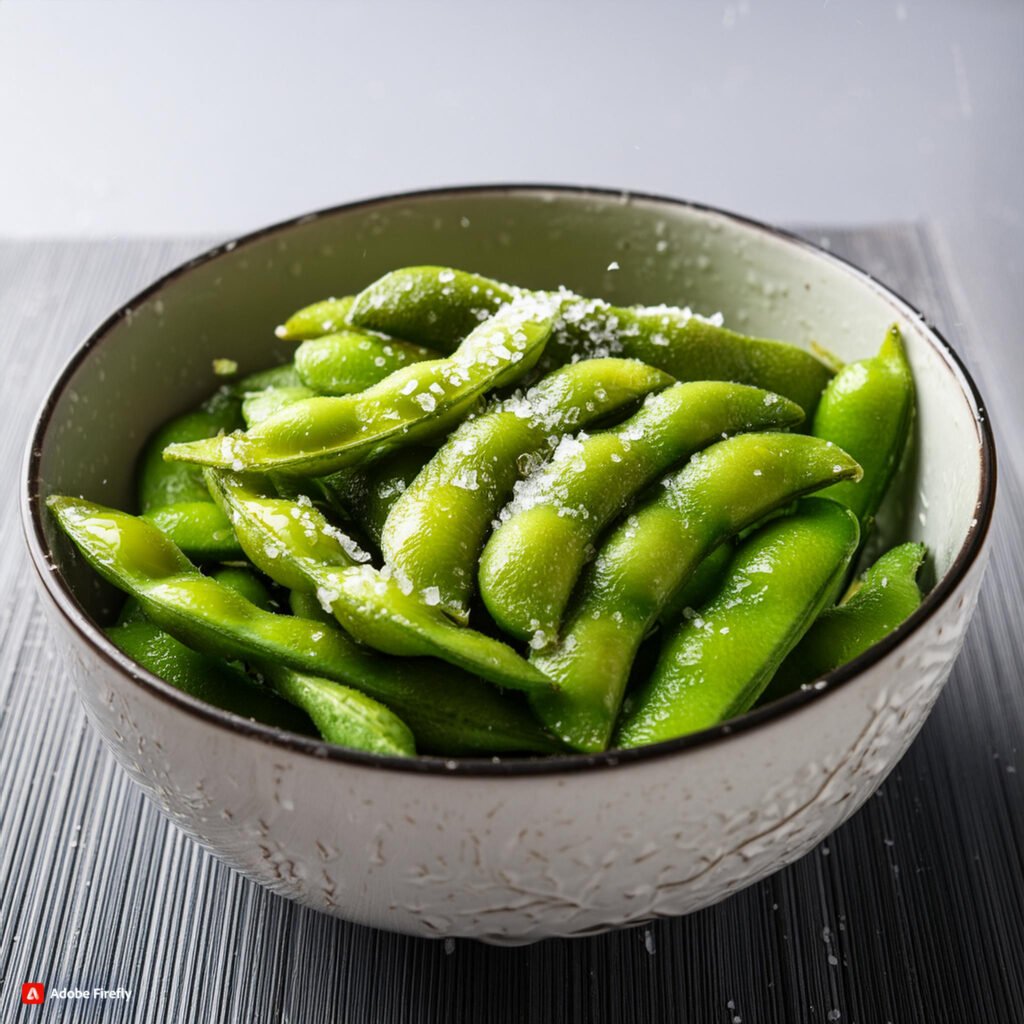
33	992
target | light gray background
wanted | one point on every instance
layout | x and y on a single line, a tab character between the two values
153	118
157	117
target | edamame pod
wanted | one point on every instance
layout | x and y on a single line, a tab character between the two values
703	582
283	376
258	406
691	347
130	613
652	553
173	496
436	305
368	493
320	435
886	595
295	545
198	528
245	582
342	715
867	410
316	320
715	665
436	528
448	711
534	557
351	361
162	483
284	538
305	605
209	679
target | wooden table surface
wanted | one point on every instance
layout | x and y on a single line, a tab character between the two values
913	911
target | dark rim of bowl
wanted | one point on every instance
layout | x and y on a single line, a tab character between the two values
92	634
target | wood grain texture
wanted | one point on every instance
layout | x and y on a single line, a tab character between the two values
913	911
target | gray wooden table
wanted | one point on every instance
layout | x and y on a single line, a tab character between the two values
913	911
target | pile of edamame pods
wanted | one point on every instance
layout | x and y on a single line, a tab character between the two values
472	519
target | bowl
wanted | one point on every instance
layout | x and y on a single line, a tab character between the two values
509	851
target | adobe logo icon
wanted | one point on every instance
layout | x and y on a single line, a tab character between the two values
33	992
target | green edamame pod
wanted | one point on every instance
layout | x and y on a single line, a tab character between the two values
652	553
436	305
715	665
691	347
437	526
245	582
535	555
284	538
284	376
316	320
198	528
342	715
131	612
448	711
305	605
173	496
162	483
295	545
209	679
867	410
886	595
368	493
704	581
320	435
351	361
258	406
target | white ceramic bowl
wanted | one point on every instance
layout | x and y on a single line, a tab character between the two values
509	851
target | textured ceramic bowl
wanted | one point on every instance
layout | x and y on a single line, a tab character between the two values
517	850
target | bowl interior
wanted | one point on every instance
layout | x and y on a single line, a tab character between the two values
155	359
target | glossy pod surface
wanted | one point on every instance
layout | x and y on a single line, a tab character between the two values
320	435
435	530
295	545
716	663
534	557
198	528
867	410
437	305
258	406
343	715
316	319
651	554
886	595
368	493
450	712
351	361
211	679
173	496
